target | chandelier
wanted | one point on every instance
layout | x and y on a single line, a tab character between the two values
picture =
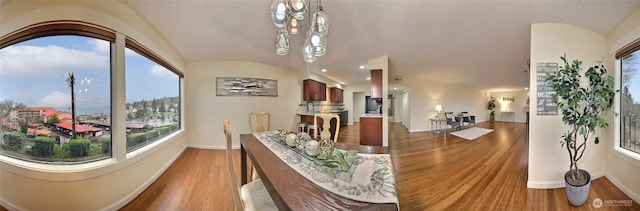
288	15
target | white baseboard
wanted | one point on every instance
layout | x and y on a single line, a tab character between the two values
124	201
557	184
200	146
624	189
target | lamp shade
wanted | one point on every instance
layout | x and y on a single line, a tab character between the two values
438	108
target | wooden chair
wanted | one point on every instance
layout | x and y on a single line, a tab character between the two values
325	128
251	196
259	124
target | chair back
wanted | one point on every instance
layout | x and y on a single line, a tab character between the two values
232	173
259	125
325	130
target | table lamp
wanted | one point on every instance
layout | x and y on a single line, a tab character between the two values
438	109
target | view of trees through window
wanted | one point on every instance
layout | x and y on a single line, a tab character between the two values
630	102
45	83
153	100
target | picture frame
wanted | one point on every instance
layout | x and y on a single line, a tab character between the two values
239	86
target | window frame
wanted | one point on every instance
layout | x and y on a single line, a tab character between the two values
119	155
623	153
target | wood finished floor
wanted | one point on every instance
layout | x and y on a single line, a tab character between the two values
433	173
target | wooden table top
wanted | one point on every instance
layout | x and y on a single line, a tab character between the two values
292	191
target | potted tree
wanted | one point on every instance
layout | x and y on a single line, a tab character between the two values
491	105
582	103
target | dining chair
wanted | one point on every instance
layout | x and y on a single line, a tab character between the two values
259	121
325	128
251	196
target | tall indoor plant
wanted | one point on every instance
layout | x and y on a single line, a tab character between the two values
582	103
491	105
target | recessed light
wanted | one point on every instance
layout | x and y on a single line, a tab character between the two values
526	88
368	78
324	70
361	67
394	88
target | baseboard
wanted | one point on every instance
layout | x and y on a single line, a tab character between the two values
624	189
124	201
9	205
200	146
559	183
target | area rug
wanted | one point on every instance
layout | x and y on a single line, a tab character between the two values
471	133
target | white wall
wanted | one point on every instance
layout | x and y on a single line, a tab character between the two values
425	95
207	111
622	169
503	108
548	161
107	184
358	107
353	102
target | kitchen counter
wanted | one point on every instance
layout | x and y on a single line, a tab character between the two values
371	116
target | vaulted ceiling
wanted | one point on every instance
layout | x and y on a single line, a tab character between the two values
479	43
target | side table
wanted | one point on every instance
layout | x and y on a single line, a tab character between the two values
436	125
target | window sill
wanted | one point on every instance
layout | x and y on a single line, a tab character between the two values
76	172
626	155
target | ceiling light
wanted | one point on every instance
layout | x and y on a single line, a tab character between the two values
324	70
368	78
361	67
288	14
526	88
394	88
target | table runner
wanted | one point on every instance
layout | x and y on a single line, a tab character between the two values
373	179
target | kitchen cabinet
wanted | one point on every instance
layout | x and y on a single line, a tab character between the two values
314	90
376	84
371	131
335	95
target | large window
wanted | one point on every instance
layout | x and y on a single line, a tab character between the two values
153	98
630	102
55	99
56	95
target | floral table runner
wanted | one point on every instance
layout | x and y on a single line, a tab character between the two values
372	177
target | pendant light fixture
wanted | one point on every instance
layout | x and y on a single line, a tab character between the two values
287	16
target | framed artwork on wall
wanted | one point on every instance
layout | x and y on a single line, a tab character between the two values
236	86
546	103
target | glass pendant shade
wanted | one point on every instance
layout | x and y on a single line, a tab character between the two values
306	52
282	42
298	8
317	41
321	19
279	13
293	25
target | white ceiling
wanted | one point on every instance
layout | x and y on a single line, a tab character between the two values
479	43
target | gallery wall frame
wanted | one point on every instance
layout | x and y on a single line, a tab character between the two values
239	86
546	102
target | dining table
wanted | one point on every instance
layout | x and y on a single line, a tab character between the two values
290	190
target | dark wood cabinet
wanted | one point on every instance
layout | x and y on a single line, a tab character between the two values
314	91
344	115
376	84
371	131
335	95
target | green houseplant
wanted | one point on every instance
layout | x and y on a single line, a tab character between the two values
491	105
582	103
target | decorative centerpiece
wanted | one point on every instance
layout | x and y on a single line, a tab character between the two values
302	139
312	148
290	140
283	134
326	148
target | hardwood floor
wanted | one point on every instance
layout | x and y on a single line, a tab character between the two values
433	173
